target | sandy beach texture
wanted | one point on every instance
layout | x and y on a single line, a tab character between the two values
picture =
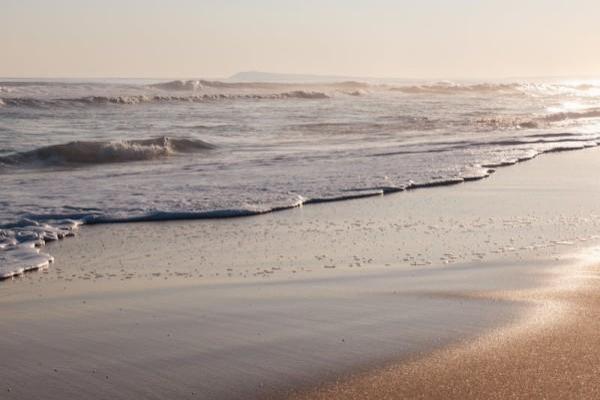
481	290
555	358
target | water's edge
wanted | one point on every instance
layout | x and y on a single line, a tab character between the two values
18	257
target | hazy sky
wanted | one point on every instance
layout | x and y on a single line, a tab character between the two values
385	38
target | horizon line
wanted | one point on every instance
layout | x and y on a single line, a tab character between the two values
300	74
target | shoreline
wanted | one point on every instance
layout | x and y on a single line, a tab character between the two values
290	301
37	260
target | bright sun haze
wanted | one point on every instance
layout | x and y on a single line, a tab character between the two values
384	38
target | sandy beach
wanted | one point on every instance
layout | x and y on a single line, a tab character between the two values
480	290
555	358
298	200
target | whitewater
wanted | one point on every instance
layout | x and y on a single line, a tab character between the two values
76	152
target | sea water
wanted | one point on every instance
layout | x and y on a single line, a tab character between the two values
98	151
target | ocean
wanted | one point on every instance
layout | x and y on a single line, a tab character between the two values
78	152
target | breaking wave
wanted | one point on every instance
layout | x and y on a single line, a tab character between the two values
537	122
178	85
139	99
563	116
102	152
198	84
451	88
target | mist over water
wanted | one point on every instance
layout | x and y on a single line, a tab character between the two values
105	151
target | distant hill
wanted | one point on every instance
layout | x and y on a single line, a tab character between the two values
257	76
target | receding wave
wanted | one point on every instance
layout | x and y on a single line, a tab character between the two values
20	242
102	152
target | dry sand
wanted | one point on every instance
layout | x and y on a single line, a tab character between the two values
456	289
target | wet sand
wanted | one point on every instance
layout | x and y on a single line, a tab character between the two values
441	286
232	340
555	358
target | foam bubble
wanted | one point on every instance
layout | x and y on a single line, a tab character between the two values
20	246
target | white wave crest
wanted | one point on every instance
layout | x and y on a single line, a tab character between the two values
563	116
454	88
142	99
90	152
178	85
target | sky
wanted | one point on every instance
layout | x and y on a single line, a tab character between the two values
370	38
